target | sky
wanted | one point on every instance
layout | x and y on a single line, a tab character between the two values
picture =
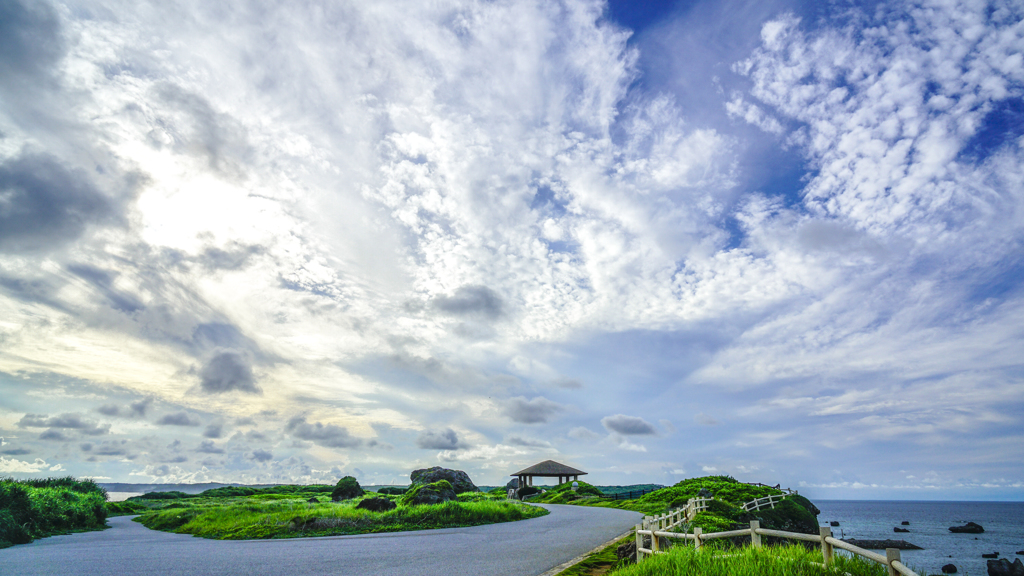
254	241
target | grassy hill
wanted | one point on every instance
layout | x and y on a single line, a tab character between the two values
795	513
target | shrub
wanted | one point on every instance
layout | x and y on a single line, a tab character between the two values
44	507
528	491
171	495
392	490
347	487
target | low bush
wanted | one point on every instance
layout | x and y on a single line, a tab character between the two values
392	490
125	508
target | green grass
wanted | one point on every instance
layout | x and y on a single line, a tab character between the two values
792	560
603	559
251	518
31	509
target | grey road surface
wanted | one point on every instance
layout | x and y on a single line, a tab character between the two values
527	548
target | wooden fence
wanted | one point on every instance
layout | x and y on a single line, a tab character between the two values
763	502
657	528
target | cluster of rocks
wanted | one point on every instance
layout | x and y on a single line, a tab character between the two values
1003	567
429	486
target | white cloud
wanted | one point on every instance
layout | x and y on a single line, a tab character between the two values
15	466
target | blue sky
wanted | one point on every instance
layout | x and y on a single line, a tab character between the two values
260	242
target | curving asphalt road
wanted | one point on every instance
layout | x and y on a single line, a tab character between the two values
527	547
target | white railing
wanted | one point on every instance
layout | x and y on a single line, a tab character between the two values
657	528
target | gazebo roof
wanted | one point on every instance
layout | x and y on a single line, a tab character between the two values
549	468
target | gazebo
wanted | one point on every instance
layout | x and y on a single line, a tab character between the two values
548	469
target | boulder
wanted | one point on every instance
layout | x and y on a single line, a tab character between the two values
882	544
992	555
949	569
834	523
433	493
969	528
1003	567
705	493
898	529
377	505
347	487
905	523
457	478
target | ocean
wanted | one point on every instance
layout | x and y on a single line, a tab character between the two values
929	529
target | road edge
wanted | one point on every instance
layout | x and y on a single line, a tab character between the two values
582	557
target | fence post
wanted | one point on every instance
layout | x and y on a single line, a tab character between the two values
639	543
697	531
826	548
755	538
892	555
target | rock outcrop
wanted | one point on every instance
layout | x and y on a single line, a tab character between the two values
882	544
898	529
458	479
513	484
376	505
627	552
969	528
433	493
1003	567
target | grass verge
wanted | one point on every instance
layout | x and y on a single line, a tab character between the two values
597	563
285	517
31	509
792	560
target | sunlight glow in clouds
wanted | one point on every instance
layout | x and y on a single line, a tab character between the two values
312	239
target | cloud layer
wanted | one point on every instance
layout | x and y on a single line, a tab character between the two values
381	236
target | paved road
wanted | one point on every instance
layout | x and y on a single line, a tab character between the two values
527	547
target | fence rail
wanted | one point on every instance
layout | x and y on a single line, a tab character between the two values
658	528
763	502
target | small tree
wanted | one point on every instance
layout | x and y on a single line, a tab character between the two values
347	487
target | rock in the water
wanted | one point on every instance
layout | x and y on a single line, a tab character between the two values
457	478
882	544
949	569
992	555
905	523
313	500
433	493
969	528
834	523
1020	552
377	505
627	551
1003	567
898	529
513	484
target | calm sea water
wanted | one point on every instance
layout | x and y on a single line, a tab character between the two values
929	529
121	496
